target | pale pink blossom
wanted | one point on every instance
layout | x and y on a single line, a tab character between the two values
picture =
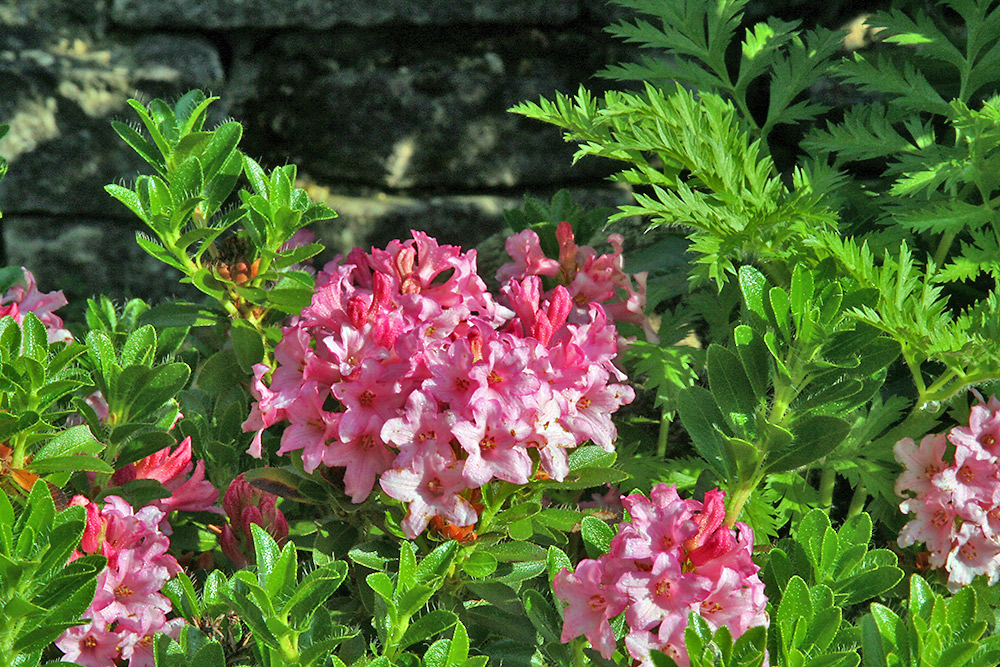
675	557
26	298
591	602
430	485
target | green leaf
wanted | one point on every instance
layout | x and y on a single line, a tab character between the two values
437	563
181	314
220	372
704	423
248	344
815	437
34	338
430	624
314	589
140	145
157	251
82	463
596	535
480	564
281	580
516	551
754	357
753	285
381	584
74	440
267	553
557	561
458	652
224	141
160	386
732	390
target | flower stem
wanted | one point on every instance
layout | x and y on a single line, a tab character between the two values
826	482
858	501
661	440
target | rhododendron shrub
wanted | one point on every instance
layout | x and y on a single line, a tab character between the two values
128	608
406	372
674	557
955	504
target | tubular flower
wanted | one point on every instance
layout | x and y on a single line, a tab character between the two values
128	607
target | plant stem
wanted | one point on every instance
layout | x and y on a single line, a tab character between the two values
857	501
661	440
944	245
827	479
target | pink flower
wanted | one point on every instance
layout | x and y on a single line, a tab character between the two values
529	260
493	443
128	607
921	464
430	483
955	505
662	591
591	601
90	645
975	553
26	297
404	369
674	558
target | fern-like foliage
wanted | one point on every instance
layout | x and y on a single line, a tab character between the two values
705	172
691	38
913	309
936	127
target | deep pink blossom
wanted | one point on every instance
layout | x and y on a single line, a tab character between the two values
189	490
245	504
404	370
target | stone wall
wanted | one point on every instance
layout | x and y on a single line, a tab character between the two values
393	110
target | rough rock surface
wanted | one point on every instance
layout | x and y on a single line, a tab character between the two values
84	257
59	98
321	14
398	113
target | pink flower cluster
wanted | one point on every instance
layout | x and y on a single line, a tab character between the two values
24	298
675	557
955	505
405	370
589	277
128	608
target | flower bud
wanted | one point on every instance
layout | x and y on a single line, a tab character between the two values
245	504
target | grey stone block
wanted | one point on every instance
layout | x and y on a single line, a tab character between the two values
321	14
84	257
412	110
59	98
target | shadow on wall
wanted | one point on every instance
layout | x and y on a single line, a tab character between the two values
394	112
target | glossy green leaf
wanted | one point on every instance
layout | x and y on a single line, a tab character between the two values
430	624
704	423
732	390
596	535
